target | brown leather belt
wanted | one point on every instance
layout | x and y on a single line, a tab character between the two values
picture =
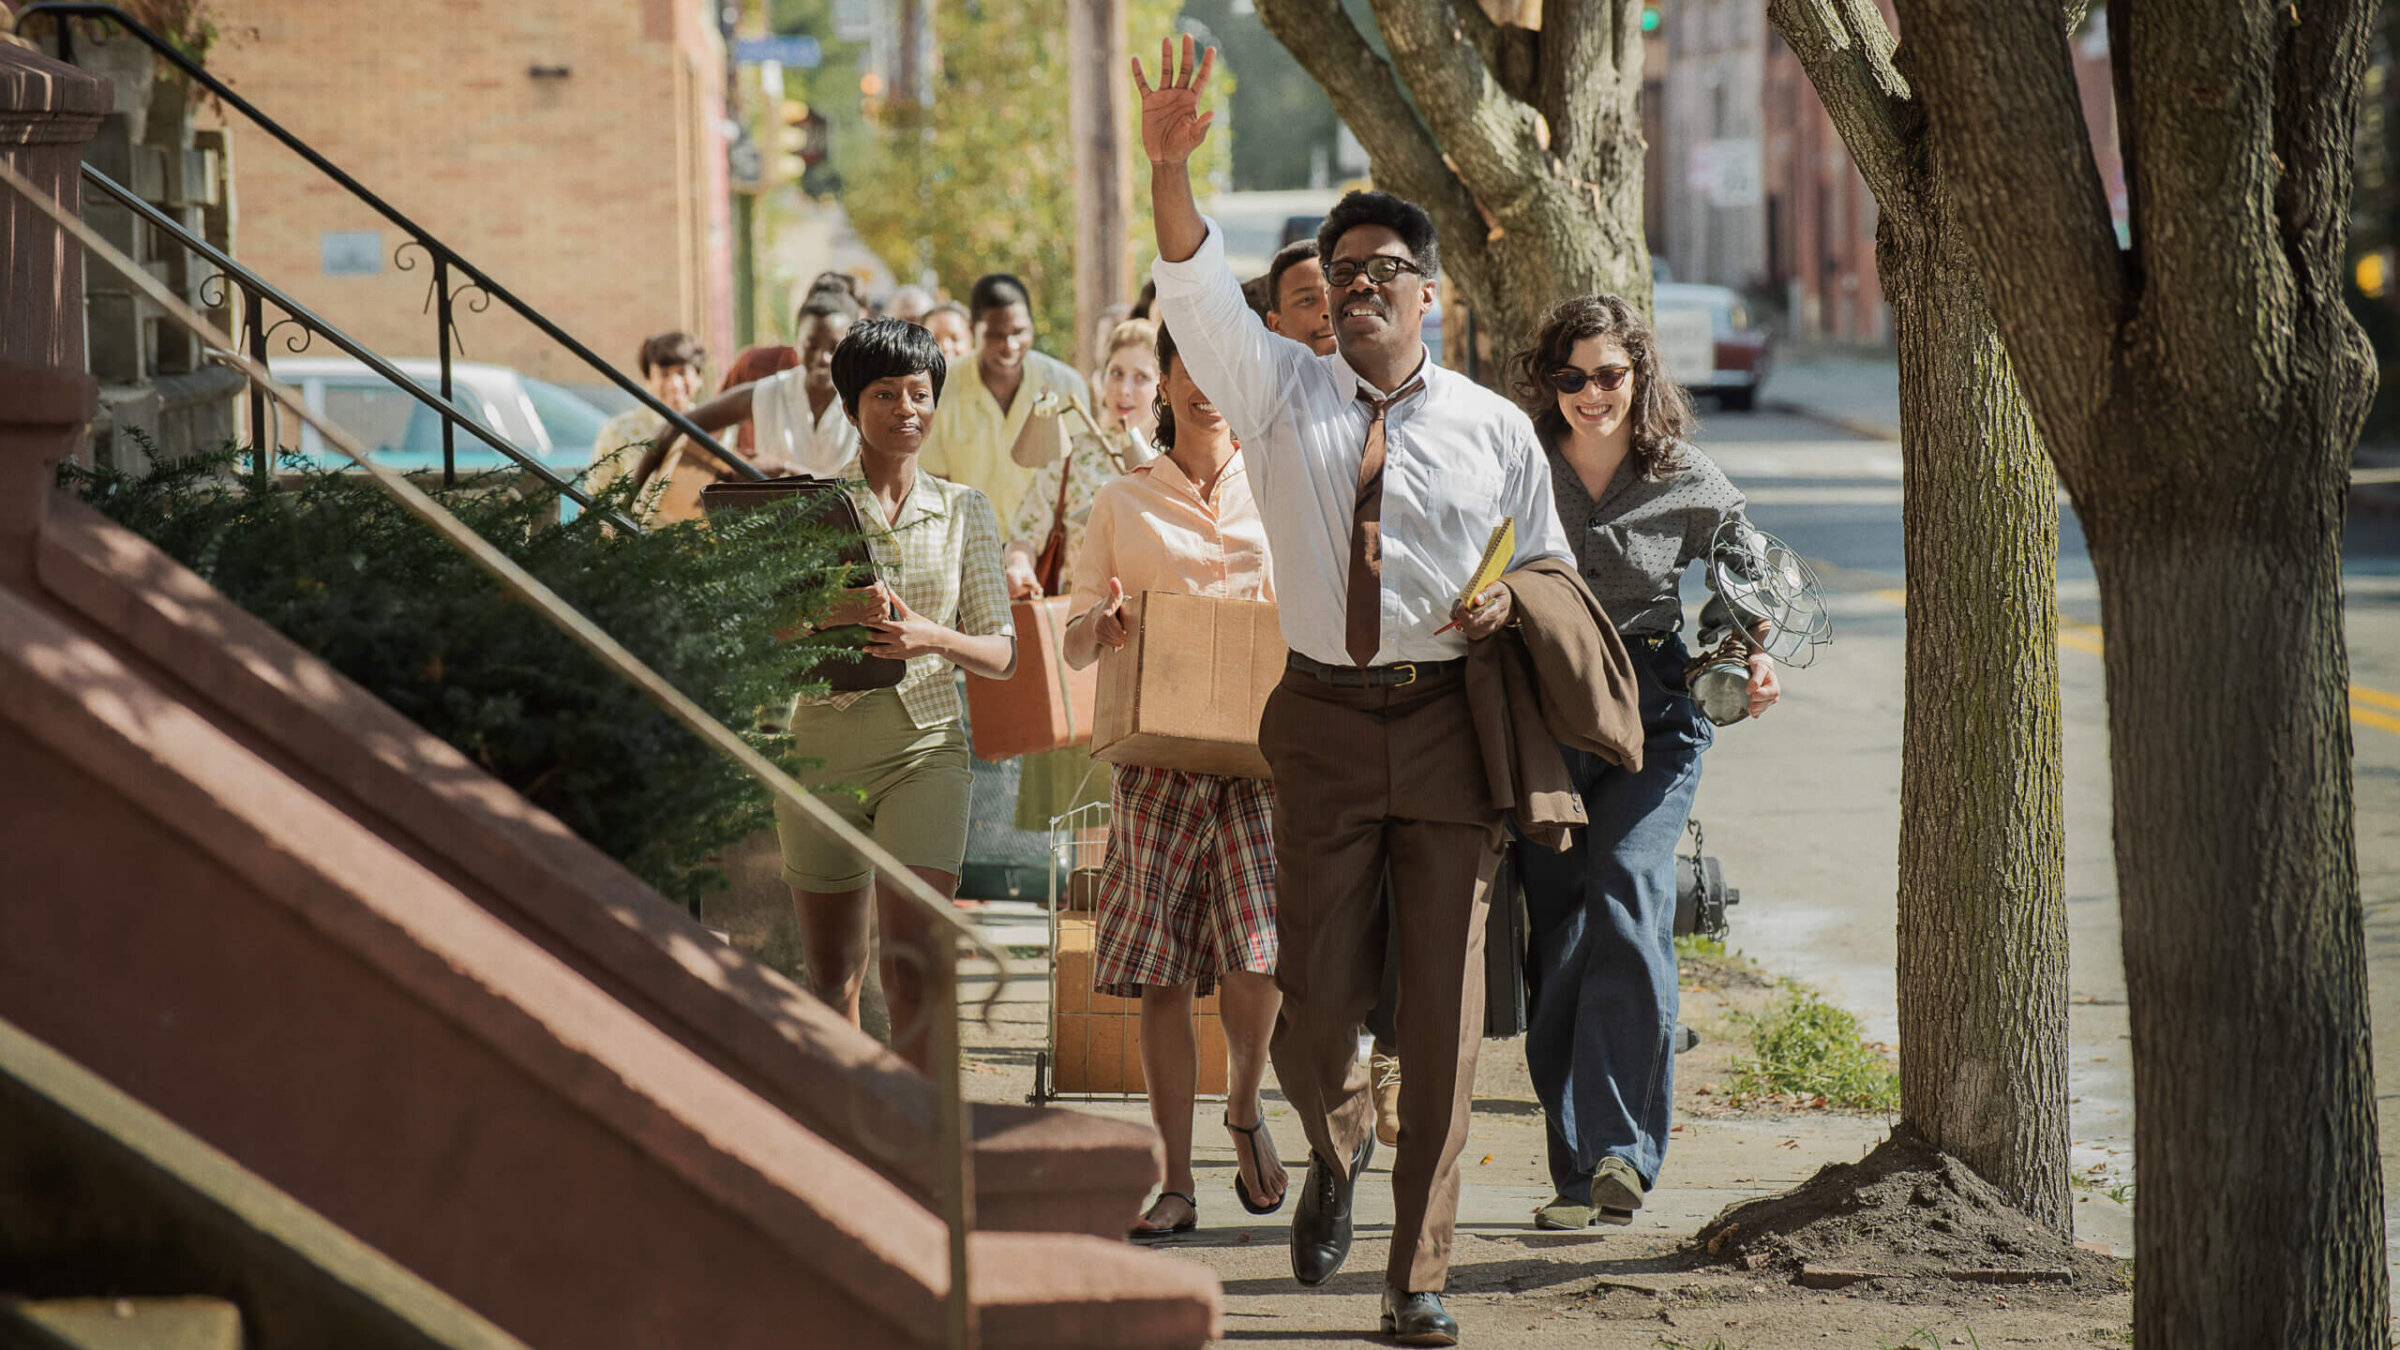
1393	676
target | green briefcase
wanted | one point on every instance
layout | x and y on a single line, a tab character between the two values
825	500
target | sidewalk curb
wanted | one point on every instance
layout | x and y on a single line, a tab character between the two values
1856	426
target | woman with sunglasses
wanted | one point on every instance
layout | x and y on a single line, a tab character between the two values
1640	504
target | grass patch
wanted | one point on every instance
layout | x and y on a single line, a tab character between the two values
2096	1180
1700	947
1808	1048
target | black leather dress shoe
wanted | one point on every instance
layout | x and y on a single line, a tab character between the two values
1321	1226
1417	1319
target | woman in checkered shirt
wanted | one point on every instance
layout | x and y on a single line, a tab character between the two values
1187	894
896	758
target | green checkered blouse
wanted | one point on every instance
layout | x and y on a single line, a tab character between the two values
942	556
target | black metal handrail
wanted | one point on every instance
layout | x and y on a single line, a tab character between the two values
257	293
445	258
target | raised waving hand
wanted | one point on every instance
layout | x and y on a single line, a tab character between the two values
1172	124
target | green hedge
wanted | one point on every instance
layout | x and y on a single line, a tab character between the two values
332	563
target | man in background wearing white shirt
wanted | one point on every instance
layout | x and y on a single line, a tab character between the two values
1380	477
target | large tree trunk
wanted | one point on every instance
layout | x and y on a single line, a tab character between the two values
2200	392
1982	909
1526	147
2261	1201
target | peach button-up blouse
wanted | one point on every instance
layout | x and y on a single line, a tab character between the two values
1153	531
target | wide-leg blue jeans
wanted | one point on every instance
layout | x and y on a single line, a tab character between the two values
1601	945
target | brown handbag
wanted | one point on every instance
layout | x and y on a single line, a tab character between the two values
1050	565
822	499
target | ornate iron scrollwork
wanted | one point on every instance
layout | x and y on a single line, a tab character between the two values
294	342
216	290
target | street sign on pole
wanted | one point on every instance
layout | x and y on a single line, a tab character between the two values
1734	178
799	53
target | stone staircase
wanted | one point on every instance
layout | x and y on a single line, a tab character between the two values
189	1248
277	919
270	910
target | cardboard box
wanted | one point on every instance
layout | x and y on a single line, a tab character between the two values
1097	1039
1186	690
1046	706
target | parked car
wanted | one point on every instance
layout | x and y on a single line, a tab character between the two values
1705	340
548	422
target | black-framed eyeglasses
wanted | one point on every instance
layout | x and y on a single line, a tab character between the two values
1380	269
1609	378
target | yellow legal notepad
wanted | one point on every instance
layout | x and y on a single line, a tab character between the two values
1503	546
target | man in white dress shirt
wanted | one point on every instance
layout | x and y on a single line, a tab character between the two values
1380	477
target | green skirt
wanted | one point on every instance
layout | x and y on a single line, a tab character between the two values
1055	782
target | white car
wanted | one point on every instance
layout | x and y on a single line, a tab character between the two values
545	421
1705	340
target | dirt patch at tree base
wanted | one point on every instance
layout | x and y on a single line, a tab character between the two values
1905	1211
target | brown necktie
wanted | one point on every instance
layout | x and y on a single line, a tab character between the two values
1362	619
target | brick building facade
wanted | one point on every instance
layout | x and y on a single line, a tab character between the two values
570	148
1752	187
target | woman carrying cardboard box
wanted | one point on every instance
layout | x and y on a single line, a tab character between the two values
1052	783
898	755
1187	893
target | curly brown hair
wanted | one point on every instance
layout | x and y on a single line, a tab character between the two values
1661	413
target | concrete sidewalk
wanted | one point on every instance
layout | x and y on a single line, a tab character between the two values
1513	1286
1854	389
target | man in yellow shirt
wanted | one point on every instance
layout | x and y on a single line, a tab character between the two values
986	434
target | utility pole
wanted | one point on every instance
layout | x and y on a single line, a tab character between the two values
1098	113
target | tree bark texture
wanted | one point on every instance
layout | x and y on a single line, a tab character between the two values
2200	391
1982	904
1526	147
1982	909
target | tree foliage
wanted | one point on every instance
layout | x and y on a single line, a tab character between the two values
983	180
333	564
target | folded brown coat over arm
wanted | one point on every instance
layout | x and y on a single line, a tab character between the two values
1559	676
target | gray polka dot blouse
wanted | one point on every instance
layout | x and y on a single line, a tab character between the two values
1633	544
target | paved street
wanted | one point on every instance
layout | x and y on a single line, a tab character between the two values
1804	805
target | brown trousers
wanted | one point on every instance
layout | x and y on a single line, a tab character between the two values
1368	780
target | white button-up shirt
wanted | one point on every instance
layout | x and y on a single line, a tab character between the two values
1458	457
820	444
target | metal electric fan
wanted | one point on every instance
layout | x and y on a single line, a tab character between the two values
1764	598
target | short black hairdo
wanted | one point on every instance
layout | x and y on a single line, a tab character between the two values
880	349
1259	293
1397	214
677	348
1291	255
997	291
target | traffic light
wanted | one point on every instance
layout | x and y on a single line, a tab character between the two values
1649	18
802	142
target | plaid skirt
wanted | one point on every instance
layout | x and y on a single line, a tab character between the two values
1187	891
